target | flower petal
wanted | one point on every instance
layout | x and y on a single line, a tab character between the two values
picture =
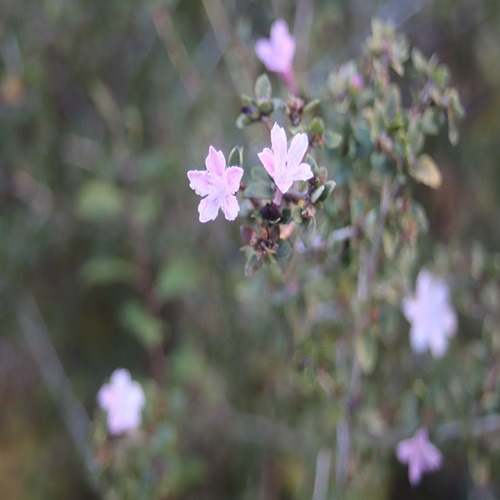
208	208
233	177
284	182
278	141
403	451
298	148
200	182
418	339
105	396
415	472
230	207
215	161
264	51
283	44
267	159
300	172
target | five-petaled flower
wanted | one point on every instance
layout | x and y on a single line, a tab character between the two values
431	315
123	400
277	53
420	455
285	165
218	184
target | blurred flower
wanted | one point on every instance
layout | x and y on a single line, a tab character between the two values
351	76
356	82
277	53
123	400
431	315
420	455
284	166
218	184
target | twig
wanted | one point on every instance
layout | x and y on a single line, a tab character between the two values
240	75
176	50
43	353
367	270
323	463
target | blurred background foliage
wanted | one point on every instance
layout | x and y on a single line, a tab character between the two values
104	106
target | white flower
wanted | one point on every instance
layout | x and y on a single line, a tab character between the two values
431	315
420	455
277	53
285	164
123	400
219	184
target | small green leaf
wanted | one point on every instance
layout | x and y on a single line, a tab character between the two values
266	106
297	215
329	187
316	195
107	270
430	122
453	135
419	61
317	127
366	352
393	103
307	228
426	171
252	265
263	87
332	139
284	250
311	105
99	200
362	134
140	323
247	101
177	277
415	136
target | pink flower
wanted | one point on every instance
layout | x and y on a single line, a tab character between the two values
123	400
420	455
277	53
431	315
286	167
218	184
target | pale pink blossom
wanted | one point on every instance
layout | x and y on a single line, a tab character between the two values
420	455
277	53
219	184
351	76
285	165
433	320
123	400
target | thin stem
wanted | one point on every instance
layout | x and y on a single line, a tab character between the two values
176	50
368	267
40	346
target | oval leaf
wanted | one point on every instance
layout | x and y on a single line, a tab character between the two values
426	171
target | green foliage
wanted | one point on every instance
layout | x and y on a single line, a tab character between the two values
105	106
148	330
